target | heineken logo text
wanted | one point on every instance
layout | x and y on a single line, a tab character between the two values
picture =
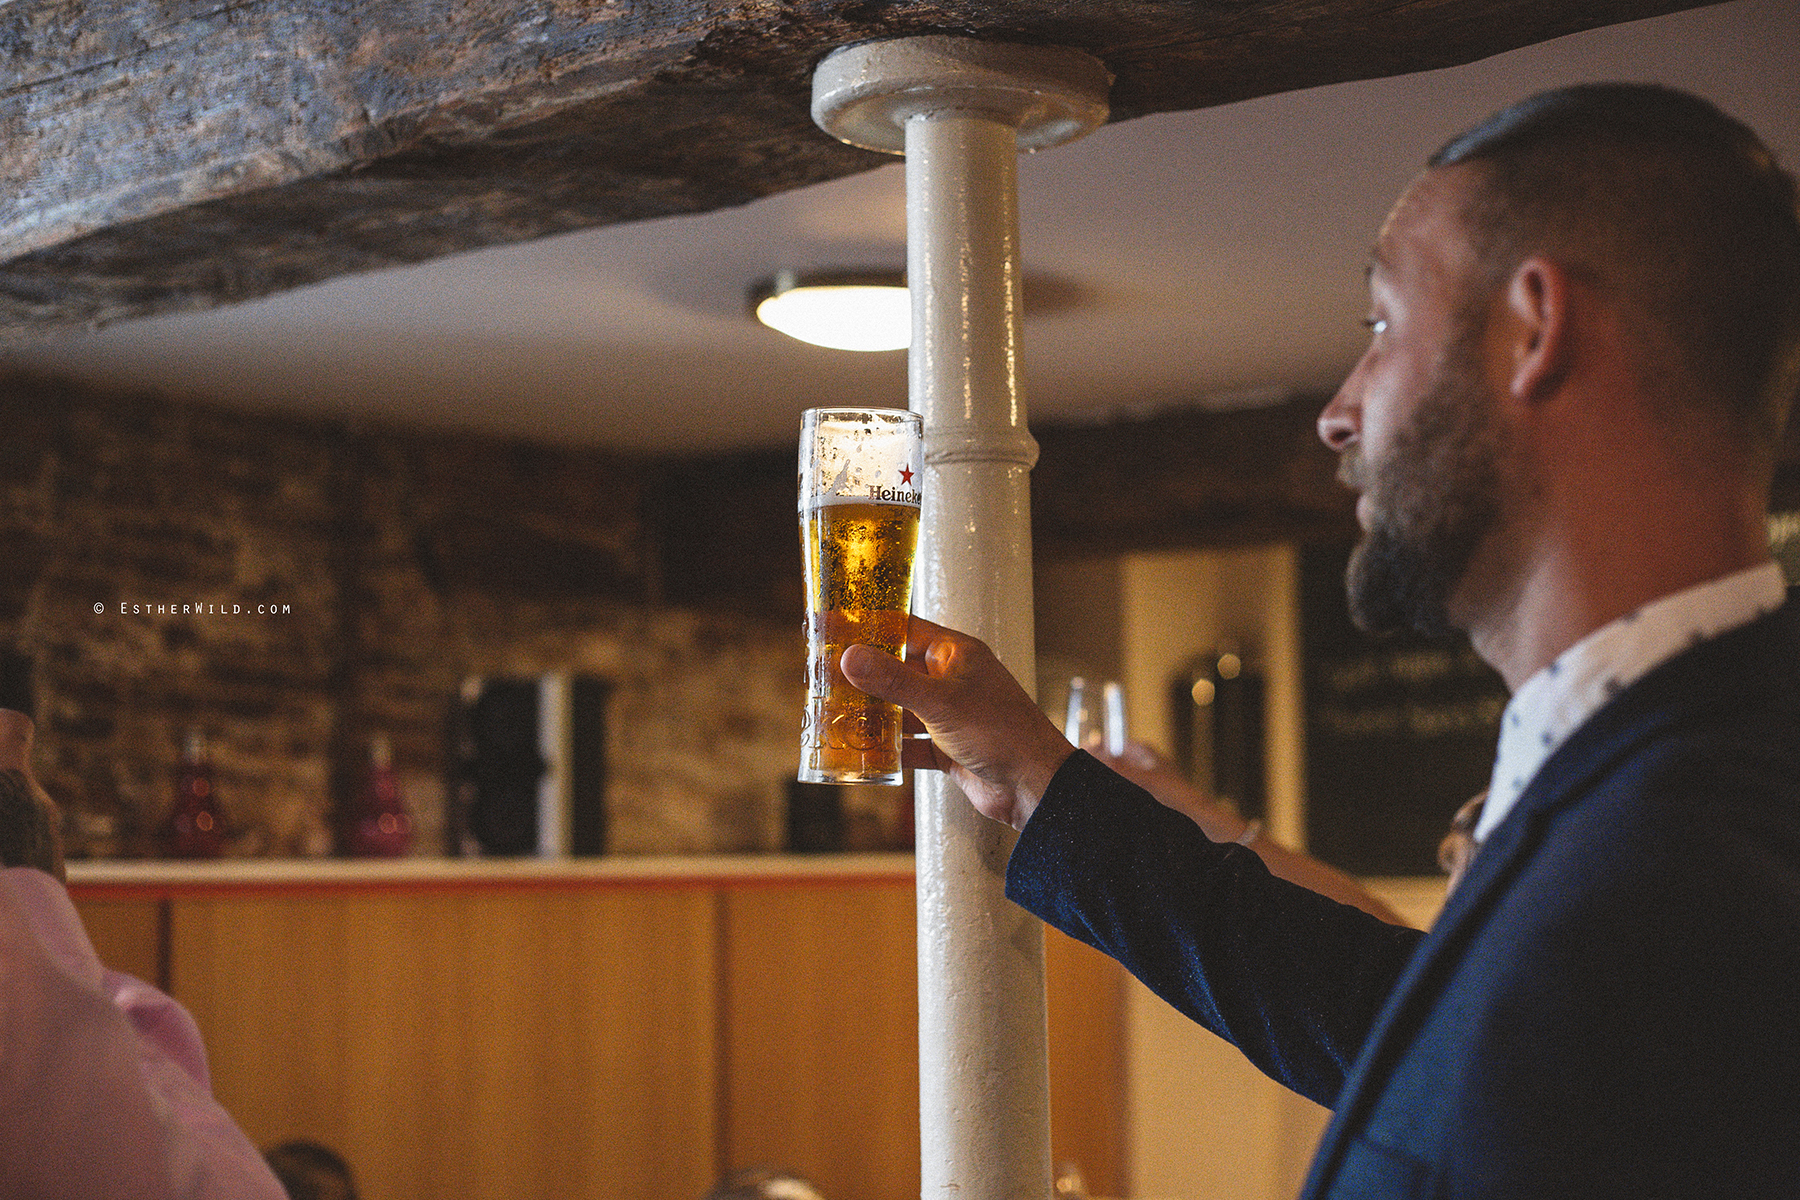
893	495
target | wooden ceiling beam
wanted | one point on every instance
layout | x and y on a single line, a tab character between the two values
161	155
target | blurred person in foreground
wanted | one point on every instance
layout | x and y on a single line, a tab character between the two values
1220	822
104	1090
1584	340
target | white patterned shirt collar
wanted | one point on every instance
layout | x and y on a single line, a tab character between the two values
1559	699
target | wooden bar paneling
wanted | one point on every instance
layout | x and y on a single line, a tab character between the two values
632	1039
821	1019
822	1069
486	1045
127	934
1085	995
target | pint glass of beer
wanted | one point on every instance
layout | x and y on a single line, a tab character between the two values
860	472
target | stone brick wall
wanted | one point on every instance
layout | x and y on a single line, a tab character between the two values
292	587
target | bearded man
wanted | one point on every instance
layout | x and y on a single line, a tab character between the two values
1584	340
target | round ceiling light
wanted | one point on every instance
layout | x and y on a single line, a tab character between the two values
842	310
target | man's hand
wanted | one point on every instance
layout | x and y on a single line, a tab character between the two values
985	730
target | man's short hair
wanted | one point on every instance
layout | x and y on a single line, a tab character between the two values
1673	207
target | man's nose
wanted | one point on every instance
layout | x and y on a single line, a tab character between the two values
1337	423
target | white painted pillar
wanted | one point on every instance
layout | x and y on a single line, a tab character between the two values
960	110
984	1114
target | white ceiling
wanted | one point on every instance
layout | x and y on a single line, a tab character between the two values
1220	254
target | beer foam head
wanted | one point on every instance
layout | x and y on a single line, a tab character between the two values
860	456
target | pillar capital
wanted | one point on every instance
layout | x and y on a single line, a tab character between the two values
864	94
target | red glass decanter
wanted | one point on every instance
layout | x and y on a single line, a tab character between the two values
196	829
379	825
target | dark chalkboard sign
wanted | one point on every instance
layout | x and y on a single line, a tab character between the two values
1399	732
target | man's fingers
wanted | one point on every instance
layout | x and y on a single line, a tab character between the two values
985	729
920	633
934	655
884	677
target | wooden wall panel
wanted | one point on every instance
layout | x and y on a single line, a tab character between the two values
822	1031
485	1045
127	935
618	1042
822	1042
1085	994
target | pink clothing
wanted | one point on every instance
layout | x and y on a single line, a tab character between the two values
104	1090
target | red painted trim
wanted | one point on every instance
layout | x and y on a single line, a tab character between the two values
199	889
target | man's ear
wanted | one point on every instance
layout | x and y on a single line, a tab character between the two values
1535	321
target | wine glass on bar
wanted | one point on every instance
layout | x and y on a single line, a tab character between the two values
1087	724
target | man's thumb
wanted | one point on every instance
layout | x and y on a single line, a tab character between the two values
879	674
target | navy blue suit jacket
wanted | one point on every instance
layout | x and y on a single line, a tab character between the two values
1608	1006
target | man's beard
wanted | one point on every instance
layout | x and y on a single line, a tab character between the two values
1433	500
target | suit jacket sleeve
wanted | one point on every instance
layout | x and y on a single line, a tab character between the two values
1291	978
